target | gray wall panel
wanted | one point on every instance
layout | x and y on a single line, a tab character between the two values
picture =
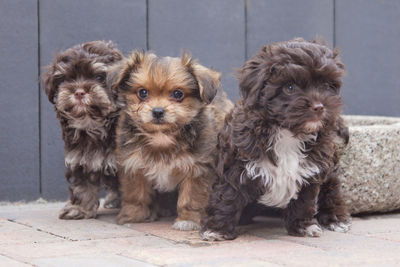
19	129
213	31
368	34
66	23
218	33
279	20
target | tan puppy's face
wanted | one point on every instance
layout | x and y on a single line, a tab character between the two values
164	94
163	97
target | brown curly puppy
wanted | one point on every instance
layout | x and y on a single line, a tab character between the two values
172	110
75	82
278	147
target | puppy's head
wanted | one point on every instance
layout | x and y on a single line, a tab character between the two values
295	84
163	94
76	80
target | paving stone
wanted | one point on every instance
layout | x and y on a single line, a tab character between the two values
4	261
387	236
271	251
354	248
228	262
32	251
374	240
382	224
358	246
47	220
14	233
89	261
277	252
163	228
265	227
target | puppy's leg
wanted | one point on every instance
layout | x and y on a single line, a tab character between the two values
192	200
299	214
332	213
83	196
113	198
137	195
223	212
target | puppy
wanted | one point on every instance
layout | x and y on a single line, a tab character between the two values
172	110
75	82
278	147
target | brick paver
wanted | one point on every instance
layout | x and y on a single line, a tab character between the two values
32	235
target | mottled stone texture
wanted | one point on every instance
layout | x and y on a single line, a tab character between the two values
370	164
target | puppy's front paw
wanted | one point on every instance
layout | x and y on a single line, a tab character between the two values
335	223
112	201
135	214
341	227
75	212
210	235
311	230
185	225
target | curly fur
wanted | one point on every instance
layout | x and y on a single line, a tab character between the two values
278	148
75	82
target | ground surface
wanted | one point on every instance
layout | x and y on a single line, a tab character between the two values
32	235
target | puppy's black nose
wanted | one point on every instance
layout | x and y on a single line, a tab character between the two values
317	107
158	113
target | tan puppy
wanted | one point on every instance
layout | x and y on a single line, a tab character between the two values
172	110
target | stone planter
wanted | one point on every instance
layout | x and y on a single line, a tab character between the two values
370	164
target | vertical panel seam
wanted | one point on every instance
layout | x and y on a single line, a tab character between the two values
334	23
147	25
39	101
246	2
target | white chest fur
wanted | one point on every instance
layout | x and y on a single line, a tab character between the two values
291	172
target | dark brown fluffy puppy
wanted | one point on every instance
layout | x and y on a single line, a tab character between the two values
172	110
75	83
278	147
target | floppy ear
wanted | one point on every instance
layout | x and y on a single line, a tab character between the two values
208	80
50	82
118	75
253	76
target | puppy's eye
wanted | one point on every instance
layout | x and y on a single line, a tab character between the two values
177	94
100	77
332	87
289	88
143	94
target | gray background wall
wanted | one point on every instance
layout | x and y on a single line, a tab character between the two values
220	33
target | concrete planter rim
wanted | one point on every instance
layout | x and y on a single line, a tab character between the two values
370	164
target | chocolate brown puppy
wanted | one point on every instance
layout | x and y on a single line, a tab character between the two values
278	148
172	110
75	82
